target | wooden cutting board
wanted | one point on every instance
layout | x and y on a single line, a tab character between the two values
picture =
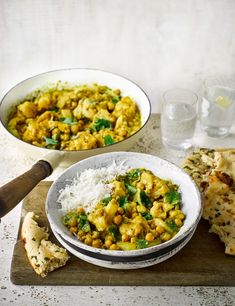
201	262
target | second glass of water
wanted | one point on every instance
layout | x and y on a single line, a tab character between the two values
178	118
217	107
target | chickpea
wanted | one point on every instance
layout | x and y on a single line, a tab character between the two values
73	229
55	131
181	216
88	240
160	229
134	214
111	106
81	234
137	230
165	236
117	219
108	243
178	222
109	237
113	247
96	243
154	232
74	128
95	235
133	239
125	237
173	214
149	237
120	210
117	92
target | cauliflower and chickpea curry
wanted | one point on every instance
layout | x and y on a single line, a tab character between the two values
75	118
142	211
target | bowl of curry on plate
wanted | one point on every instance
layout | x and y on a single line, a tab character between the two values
124	207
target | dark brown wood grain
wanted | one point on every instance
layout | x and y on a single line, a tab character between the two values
13	192
201	262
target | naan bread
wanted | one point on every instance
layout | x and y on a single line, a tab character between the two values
214	173
43	255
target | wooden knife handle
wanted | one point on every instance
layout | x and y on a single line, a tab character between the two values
14	191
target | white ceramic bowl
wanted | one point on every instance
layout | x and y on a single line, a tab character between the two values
120	262
73	77
191	199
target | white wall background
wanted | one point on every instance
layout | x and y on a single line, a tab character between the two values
157	43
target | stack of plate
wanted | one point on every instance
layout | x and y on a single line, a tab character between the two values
191	206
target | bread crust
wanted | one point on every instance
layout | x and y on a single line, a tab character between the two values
43	255
214	173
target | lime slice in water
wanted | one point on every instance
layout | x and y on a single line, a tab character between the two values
224	102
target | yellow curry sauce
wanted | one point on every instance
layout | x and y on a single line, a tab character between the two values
75	118
142	210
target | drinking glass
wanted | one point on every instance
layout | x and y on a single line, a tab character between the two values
217	107
178	118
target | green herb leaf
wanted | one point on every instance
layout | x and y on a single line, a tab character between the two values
106	200
68	120
134	174
83	223
82	220
122	201
101	124
115	100
131	189
113	230
54	109
172	197
108	140
172	225
86	227
141	243
147	215
50	141
145	199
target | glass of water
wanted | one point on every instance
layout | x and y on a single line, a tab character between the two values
178	118
217	107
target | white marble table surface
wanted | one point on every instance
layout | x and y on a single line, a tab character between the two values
13	162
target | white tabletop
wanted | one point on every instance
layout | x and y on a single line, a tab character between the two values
13	162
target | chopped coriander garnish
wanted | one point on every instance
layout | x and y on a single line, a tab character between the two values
147	215
145	199
122	201
134	174
68	120
131	189
115	100
101	124
172	197
172	225
141	243
113	230
108	140
106	200
51	141
54	109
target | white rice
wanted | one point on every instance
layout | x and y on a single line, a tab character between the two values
88	188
